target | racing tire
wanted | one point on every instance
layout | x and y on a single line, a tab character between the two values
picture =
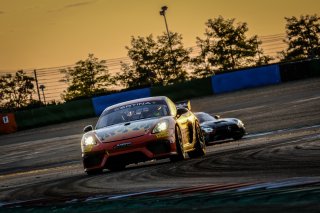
181	154
238	136
94	172
200	145
207	140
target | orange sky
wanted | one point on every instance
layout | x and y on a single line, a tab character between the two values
49	33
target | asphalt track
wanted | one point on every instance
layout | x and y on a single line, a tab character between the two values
275	167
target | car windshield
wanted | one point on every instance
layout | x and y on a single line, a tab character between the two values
132	112
204	117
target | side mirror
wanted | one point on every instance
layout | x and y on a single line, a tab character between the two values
217	117
88	128
181	111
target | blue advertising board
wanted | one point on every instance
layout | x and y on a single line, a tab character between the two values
249	78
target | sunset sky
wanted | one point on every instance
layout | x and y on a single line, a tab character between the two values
50	33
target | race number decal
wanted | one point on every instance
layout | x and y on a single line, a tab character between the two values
5	119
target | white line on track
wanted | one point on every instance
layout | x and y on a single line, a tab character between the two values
305	100
280	131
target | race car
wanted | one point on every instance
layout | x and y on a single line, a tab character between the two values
140	130
216	128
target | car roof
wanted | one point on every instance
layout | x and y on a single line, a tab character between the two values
199	113
156	98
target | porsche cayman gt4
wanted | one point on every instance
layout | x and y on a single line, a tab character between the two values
141	130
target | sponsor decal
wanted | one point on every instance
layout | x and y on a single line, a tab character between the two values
122	145
135	104
5	119
145	103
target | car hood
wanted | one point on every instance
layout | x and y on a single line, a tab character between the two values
125	131
220	122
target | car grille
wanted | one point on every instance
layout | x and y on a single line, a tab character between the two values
156	147
128	158
226	129
159	147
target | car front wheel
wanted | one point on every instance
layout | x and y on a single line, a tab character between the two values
181	154
200	145
94	172
239	135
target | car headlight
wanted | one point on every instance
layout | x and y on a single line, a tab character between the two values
207	129
161	126
240	124
89	140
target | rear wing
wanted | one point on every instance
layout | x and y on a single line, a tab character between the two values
183	104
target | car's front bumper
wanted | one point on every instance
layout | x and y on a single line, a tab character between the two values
224	132
129	151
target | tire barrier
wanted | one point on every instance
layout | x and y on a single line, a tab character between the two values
243	79
100	103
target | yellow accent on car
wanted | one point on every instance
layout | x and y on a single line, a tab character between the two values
162	134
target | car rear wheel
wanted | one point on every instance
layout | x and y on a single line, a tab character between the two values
181	154
238	136
200	145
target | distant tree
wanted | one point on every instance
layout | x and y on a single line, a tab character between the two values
87	78
154	62
303	38
16	90
226	47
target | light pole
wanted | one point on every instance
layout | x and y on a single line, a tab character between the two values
163	13
36	79
42	87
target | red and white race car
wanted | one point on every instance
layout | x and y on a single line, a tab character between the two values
141	130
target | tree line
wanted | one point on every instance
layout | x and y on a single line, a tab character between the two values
154	61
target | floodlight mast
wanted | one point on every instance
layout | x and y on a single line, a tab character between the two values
163	13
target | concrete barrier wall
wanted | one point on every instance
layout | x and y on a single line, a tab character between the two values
100	103
300	70
226	82
68	111
250	78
